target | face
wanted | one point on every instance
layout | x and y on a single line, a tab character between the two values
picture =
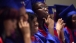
10	26
34	24
74	20
42	10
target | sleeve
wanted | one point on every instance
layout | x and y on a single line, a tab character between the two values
52	39
67	36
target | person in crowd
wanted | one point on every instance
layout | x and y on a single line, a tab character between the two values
24	34
68	15
59	32
58	26
43	18
35	33
24	26
8	20
8	24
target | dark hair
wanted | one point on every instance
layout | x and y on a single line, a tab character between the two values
5	14
31	17
69	22
34	6
19	32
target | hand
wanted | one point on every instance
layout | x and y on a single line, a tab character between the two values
60	24
50	24
24	26
49	21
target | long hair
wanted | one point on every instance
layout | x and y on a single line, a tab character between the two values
69	22
5	14
19	32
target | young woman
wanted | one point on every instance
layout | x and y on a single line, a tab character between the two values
8	24
45	21
69	16
36	35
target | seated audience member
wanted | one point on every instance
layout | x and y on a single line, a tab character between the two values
44	20
35	33
8	21
59	32
68	15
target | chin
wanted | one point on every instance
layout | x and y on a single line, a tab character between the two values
8	35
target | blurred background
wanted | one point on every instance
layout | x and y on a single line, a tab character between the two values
63	2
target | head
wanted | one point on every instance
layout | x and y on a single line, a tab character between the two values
8	20
40	9
33	24
71	20
74	20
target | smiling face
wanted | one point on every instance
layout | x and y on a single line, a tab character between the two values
41	9
34	25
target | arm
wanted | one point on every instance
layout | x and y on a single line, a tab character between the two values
59	28
25	28
50	24
27	38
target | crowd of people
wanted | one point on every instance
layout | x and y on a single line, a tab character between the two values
32	21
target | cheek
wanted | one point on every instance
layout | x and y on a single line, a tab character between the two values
9	26
74	22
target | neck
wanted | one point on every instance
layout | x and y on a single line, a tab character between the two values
41	22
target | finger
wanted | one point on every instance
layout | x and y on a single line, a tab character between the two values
25	23
61	22
20	25
64	24
21	21
45	19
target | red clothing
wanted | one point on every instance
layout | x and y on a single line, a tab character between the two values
71	37
1	40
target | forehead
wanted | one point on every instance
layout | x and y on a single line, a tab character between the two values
40	4
74	15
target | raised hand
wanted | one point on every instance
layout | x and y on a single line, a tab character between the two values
59	27
24	26
60	24
49	21
50	24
